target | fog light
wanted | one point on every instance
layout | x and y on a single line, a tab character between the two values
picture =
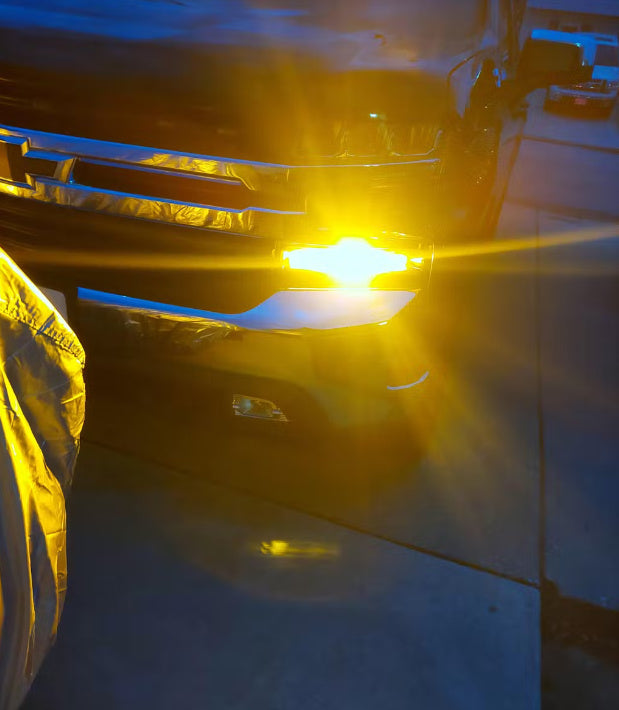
351	262
244	405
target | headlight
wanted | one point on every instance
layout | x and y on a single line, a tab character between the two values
352	262
374	138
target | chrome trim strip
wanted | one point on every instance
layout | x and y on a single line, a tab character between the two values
248	221
423	378
284	311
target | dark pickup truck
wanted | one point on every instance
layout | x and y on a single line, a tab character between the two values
250	192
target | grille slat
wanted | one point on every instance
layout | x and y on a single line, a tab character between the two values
166	185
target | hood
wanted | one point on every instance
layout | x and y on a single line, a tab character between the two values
412	29
237	78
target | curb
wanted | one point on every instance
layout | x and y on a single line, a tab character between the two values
581	213
558	141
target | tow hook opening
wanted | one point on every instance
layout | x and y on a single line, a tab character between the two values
244	405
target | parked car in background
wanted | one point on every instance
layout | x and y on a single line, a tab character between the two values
600	92
253	197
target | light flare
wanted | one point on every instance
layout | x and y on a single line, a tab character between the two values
442	254
352	262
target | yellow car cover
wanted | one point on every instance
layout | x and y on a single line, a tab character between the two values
42	403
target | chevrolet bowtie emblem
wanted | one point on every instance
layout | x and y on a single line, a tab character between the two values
12	165
20	164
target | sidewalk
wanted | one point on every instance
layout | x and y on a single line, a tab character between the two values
569	191
579	330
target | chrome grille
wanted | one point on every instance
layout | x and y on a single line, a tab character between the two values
226	193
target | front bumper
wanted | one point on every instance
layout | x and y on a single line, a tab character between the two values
68	219
345	358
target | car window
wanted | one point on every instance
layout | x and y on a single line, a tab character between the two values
607	55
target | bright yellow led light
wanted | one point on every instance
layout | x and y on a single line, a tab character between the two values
351	262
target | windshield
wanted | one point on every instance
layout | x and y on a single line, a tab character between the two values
607	56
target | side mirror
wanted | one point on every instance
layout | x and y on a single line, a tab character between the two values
545	62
